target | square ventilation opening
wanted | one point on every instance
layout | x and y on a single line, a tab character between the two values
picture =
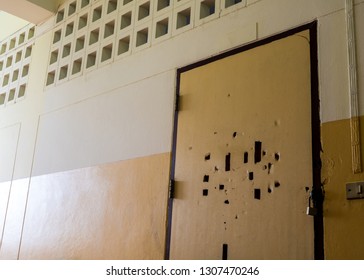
96	14
106	53
3	48
207	8
109	29
82	22
162	4
2	98
112	6
125	20
66	50
229	3
54	57
25	71
94	36
84	3
50	78
18	56
60	16
161	28
21	92
80	43
11	95
21	38
31	33
144	10
63	72
15	76
142	37
91	60
184	18
77	66
12	44
1	65
9	61
6	80
127	1
57	36
72	8
69	28
28	51
124	45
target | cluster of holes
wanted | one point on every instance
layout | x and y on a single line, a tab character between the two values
91	33
15	53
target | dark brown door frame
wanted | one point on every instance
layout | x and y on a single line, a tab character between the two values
317	191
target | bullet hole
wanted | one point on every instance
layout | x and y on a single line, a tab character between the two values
221	187
206	178
228	95
215	133
264	153
270	168
269	190
277	156
251	176
190	148
235	134
307	189
224	251
277	184
227	201
265	167
216	169
205	192
246	157
208	156
256	193
257	152
236	217
227	162
224	223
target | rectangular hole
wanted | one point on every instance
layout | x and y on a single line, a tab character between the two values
109	29
66	50
142	37
205	192
106	53
28	51
257	194
224	251
80	43
77	66
54	57
162	4
84	3
2	98
18	56
63	72
97	12
161	28
246	157
112	6
21	38
227	162
183	18
206	178
9	61
60	16
25	70
207	8
21	92
221	187
124	45
94	36
50	78
11	96
72	8
251	176
257	152
3	48
57	36
91	60
125	20
12	44
69	29
15	76
229	3
6	80
31	33
82	22
144	10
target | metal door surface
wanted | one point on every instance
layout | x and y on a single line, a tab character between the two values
243	156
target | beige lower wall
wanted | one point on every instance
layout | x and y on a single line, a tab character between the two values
113	211
343	219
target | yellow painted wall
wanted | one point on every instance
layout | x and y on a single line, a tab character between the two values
343	219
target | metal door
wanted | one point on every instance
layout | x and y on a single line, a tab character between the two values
243	156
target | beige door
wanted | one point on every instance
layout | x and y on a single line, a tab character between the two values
243	160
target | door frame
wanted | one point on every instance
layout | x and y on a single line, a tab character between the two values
317	191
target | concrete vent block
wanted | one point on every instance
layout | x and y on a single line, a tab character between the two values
96	14
207	8
77	66
63	72
3	48
123	45
72	8
144	10
22	89
125	20
11	96
12	44
54	57
142	37
6	80
28	52
82	21
183	18
25	71
31	33
1	65
15	75
80	44
84	3
109	29
60	16
66	50
69	28
91	59
9	61
2	98
57	36
112	6
21	39
162	28
162	4
106	53
229	3
18	56
94	36
50	78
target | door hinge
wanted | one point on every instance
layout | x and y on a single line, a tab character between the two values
171	189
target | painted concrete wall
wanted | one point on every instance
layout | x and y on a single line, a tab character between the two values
123	110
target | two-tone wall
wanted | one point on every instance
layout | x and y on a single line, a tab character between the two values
85	154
